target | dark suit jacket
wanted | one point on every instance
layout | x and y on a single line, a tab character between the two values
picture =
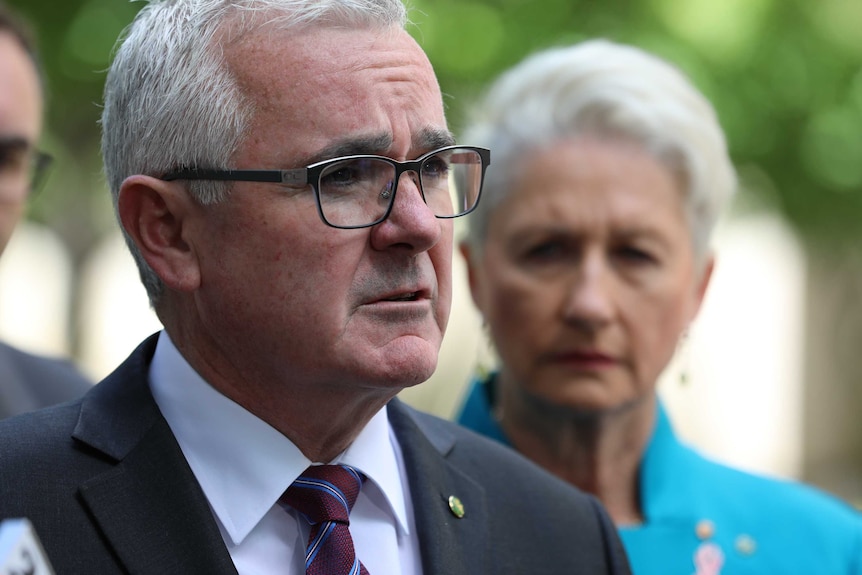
109	491
29	382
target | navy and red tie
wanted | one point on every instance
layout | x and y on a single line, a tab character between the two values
324	495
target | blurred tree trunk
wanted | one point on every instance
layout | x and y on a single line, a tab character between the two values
832	419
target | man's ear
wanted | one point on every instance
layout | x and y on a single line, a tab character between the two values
158	216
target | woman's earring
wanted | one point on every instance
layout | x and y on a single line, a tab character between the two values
484	353
682	350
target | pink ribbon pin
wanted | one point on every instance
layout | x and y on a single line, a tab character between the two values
708	559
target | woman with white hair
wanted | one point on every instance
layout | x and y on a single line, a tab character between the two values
588	257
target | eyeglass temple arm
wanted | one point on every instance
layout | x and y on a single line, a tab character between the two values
298	176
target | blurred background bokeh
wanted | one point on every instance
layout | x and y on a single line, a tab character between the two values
774	362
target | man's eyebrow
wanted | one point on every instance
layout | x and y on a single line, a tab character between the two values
371	144
433	138
379	144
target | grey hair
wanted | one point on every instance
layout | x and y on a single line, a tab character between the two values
602	89
170	100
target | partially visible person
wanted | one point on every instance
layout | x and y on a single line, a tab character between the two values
27	381
286	180
588	257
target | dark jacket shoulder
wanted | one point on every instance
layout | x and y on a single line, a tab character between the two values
29	381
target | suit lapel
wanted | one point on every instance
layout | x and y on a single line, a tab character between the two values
156	518
449	545
148	505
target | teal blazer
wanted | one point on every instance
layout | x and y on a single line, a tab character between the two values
705	518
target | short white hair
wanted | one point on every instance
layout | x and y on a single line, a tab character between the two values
170	100
602	89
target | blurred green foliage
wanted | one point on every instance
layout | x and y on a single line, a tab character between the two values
784	75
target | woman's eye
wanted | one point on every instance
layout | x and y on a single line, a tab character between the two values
635	255
545	251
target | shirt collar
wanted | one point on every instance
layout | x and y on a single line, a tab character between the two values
668	476
242	463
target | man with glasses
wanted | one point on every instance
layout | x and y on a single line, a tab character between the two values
27	381
286	182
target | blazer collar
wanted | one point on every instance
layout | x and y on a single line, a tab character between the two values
148	504
157	520
450	545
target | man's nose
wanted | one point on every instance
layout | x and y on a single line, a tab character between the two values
411	222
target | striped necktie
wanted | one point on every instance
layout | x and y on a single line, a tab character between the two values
325	494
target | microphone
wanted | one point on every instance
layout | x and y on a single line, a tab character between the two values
21	552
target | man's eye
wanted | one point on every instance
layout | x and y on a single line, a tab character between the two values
341	176
435	168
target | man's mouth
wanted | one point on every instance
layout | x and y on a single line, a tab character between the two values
412	296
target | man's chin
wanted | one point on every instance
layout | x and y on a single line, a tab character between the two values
404	362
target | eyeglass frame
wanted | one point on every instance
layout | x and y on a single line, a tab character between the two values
41	164
310	176
38	163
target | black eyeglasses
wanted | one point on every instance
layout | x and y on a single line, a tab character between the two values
22	169
358	191
39	170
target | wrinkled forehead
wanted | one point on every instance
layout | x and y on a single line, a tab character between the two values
240	22
20	90
316	46
322	82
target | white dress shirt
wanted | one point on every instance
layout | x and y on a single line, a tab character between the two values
244	465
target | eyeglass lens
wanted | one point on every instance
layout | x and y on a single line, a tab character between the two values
359	191
21	170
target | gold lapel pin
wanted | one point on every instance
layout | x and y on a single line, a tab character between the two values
456	507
